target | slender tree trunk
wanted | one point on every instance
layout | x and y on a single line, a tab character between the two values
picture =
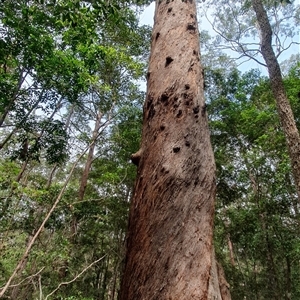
169	246
89	160
51	175
274	286
15	293
114	283
25	163
230	248
16	128
223	284
13	98
23	169
288	286
283	106
84	177
41	227
104	285
68	121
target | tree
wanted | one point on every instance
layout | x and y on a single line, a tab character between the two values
283	106
67	68
169	246
239	23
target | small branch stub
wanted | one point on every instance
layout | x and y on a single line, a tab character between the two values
136	157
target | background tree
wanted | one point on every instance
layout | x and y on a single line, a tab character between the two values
276	31
64	73
258	211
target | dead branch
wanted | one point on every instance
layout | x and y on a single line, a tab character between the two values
27	278
28	248
75	278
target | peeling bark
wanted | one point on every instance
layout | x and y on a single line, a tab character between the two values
169	246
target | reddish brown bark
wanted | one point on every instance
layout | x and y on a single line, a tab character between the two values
223	284
169	245
283	106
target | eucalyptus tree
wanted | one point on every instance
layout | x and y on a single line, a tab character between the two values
169	246
283	105
238	24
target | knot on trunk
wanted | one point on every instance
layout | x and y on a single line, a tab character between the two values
136	157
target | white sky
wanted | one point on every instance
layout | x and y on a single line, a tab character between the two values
146	18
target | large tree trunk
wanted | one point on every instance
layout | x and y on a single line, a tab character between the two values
283	106
169	245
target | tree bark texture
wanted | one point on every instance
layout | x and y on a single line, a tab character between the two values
169	243
283	106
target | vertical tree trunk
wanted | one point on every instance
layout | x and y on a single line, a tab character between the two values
23	169
12	100
17	126
169	245
230	248
288	285
17	290
89	160
273	282
67	125
283	106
